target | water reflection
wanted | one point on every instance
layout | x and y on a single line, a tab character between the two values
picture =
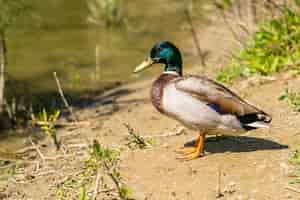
62	41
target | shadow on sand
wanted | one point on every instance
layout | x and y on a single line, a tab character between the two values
108	93
238	144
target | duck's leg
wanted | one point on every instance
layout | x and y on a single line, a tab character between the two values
188	150
191	153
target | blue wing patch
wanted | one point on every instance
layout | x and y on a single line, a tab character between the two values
215	107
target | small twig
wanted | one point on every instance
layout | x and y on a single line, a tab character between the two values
77	146
19	159
7	166
252	14
113	178
228	25
56	142
275	5
37	149
66	102
37	167
107	190
46	157
65	178
25	150
177	132
218	189
46	173
64	98
298	133
97	185
243	26
3	63
76	123
71	133
292	189
201	54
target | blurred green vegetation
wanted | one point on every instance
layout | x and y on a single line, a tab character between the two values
273	48
292	97
103	162
108	159
137	141
11	10
109	11
46	121
296	160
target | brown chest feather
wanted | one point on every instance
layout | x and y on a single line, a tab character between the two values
158	89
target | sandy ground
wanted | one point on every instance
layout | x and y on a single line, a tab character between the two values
254	166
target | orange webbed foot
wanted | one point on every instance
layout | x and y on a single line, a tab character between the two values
191	153
191	156
186	150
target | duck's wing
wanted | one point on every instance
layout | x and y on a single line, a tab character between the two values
221	99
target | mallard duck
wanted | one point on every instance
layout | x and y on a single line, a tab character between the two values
197	102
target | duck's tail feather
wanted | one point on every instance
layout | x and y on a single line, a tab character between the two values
255	120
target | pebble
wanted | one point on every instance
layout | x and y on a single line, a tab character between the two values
288	196
230	189
232	183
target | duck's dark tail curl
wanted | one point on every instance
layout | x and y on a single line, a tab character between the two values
255	120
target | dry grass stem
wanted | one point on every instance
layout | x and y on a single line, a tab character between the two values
64	98
177	132
200	52
63	124
113	178
218	189
292	189
37	149
97	183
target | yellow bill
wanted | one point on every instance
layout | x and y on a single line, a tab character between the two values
144	65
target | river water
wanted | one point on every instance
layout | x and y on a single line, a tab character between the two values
58	38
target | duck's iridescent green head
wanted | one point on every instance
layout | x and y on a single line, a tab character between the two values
165	53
